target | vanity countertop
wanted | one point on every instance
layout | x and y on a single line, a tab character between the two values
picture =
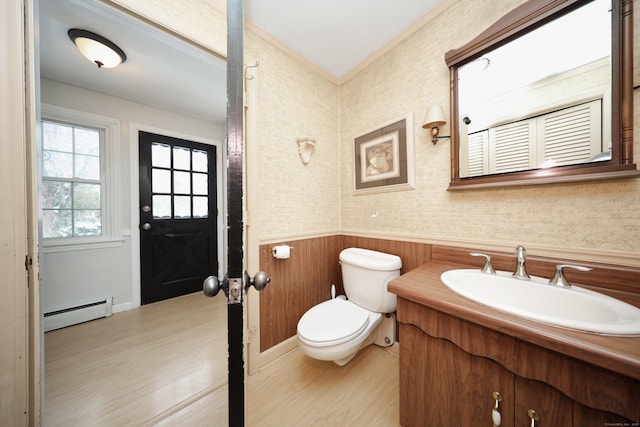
423	286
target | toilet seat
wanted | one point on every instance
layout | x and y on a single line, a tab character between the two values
333	322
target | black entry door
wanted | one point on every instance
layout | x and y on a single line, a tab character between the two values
178	209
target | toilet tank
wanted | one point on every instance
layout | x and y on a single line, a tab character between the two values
365	275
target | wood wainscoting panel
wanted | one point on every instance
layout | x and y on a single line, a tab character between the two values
297	284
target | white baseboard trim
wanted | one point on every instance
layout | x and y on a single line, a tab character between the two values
278	351
122	307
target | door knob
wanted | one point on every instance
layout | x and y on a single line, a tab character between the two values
211	286
146	226
259	281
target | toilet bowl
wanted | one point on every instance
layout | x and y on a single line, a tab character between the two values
335	330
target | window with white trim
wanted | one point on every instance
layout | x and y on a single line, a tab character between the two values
71	180
77	203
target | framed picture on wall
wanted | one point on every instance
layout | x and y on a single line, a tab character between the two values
383	158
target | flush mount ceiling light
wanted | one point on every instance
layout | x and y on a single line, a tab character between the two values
97	49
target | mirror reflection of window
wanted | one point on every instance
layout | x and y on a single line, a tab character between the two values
552	84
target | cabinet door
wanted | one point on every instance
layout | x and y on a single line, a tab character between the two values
588	417
441	385
553	408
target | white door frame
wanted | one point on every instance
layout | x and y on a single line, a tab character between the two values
221	190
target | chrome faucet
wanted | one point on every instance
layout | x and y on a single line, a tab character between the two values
521	257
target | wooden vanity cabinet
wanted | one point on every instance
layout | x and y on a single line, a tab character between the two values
450	367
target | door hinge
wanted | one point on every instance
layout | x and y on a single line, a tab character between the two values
28	262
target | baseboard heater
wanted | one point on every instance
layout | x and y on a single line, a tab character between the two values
81	313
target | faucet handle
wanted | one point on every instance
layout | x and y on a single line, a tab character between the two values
560	280
520	253
487	268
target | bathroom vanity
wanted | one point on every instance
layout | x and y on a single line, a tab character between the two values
455	353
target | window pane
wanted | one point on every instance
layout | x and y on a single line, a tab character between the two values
182	206
57	165
160	155
181	182
57	137
86	196
56	223
200	161
200	184
87	223
162	206
87	167
160	181
181	158
56	195
87	141
200	207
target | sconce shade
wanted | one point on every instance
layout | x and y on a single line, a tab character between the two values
434	117
97	49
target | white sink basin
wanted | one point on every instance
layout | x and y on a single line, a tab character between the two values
535	299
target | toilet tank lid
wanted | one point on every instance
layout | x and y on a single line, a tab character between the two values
371	260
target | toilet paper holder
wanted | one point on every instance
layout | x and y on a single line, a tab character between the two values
281	251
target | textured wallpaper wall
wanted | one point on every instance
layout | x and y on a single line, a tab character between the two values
294	102
600	216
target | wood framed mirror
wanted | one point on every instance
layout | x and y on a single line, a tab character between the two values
515	132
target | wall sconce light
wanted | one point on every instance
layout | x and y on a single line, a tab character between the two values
306	146
433	119
97	49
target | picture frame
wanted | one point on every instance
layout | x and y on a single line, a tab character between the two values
384	158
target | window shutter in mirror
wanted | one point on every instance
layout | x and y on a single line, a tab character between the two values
573	135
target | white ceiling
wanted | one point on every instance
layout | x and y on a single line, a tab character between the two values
335	35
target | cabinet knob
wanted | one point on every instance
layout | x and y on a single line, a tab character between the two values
534	417
496	412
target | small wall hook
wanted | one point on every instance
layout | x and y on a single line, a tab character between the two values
246	70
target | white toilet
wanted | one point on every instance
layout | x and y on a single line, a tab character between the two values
336	329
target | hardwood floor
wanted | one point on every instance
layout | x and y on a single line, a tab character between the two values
165	364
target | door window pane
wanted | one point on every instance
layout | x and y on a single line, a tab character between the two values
200	161
160	155
182	206
162	207
181	182
200	207
200	183
160	181
181	158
